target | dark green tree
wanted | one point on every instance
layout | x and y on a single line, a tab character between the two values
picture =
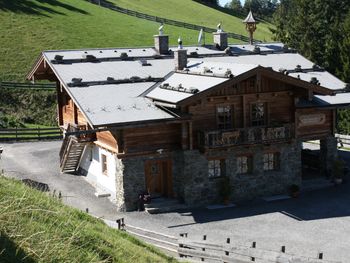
235	5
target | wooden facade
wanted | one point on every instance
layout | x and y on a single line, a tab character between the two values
277	98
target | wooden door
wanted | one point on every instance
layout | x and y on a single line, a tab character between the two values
158	177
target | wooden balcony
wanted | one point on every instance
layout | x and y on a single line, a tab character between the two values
245	136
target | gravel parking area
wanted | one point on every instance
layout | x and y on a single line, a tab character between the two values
315	222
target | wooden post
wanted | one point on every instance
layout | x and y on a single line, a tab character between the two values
203	249
227	253
253	246
283	249
16	133
190	134
39	133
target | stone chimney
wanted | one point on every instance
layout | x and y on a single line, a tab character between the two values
220	38
161	41
180	56
161	44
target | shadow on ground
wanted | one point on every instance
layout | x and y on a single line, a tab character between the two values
37	7
326	203
9	252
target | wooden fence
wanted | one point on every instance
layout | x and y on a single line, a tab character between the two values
343	139
27	85
30	134
210	252
167	21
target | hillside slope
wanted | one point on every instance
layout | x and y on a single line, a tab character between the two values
193	12
38	228
28	27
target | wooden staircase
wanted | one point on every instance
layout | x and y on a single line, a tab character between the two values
72	150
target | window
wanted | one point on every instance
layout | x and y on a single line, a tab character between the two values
258	112
244	164
104	164
271	161
224	117
215	168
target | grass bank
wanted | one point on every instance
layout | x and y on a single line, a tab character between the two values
37	228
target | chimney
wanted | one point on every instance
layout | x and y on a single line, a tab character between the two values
220	38
161	42
180	56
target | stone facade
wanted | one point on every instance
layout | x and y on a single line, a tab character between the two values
180	56
328	153
192	185
220	40
161	44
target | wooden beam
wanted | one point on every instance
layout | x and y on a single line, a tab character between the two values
190	134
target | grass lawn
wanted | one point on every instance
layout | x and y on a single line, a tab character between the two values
37	228
196	13
30	26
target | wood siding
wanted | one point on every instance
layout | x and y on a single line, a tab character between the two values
318	123
152	138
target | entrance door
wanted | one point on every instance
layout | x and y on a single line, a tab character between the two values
158	177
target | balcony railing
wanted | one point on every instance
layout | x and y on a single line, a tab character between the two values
252	135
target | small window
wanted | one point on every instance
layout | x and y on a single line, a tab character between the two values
104	164
224	117
271	161
244	164
258	114
216	168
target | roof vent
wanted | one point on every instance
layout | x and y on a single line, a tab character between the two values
347	86
256	50
134	78
228	51
115	51
194	90
316	67
124	55
228	74
207	70
285	48
314	81
144	62
194	54
101	51
58	57
90	58
110	79
77	80
298	69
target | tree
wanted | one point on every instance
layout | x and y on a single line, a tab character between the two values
235	5
261	7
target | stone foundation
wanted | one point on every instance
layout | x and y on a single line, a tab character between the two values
328	153
192	185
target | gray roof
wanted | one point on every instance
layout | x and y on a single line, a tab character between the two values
103	103
187	82
109	104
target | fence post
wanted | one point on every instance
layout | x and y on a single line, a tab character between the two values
39	133
16	133
227	253
203	249
253	246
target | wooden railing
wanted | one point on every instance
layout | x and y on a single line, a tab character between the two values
230	252
30	134
25	85
252	135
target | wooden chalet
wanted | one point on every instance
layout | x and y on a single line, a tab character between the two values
175	121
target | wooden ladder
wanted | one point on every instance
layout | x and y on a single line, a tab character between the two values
71	153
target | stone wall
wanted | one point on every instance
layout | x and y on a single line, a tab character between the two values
328	153
192	185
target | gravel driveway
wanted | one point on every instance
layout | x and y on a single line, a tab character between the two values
318	221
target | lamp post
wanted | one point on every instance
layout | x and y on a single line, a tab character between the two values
1	151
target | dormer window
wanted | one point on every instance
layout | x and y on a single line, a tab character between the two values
224	117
